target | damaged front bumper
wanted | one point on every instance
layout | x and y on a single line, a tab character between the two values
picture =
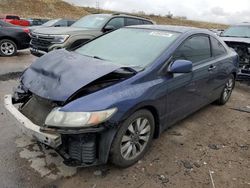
31	129
244	74
81	148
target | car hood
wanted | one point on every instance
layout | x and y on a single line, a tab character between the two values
236	39
62	30
59	74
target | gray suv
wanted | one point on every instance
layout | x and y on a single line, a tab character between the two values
44	40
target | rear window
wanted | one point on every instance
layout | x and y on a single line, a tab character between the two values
133	21
12	17
147	22
217	48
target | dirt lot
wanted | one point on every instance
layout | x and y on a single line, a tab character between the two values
208	149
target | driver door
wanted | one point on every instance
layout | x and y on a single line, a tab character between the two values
187	92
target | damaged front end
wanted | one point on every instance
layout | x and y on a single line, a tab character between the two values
45	89
243	49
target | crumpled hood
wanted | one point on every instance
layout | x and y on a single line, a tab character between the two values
236	39
59	74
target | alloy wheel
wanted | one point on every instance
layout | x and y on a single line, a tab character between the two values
135	138
7	48
228	89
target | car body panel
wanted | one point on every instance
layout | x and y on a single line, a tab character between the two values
236	39
17	34
52	75
64	30
170	97
77	35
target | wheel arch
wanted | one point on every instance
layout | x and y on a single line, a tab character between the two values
155	114
153	110
12	39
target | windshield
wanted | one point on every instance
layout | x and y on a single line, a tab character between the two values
91	21
237	31
129	47
50	23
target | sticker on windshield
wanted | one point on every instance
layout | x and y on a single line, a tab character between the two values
161	34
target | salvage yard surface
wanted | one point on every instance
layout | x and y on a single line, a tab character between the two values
211	146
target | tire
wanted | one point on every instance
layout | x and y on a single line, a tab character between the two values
125	147
227	91
7	48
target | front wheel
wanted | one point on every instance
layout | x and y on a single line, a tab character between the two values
133	139
227	91
7	48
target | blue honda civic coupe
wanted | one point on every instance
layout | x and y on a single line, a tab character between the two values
107	99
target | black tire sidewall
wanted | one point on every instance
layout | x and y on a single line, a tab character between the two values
115	155
10	41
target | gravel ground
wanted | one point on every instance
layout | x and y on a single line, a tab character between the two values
209	149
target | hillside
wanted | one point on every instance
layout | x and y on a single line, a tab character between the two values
61	9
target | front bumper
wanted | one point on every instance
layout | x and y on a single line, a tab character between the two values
37	52
29	128
244	75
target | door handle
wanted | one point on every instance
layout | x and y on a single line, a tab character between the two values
212	67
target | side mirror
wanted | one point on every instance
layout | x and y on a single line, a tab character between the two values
180	66
108	28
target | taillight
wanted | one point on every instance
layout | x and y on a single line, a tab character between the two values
26	30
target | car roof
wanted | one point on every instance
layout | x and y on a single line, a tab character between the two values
126	15
242	24
178	29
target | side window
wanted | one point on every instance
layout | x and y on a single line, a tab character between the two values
195	49
133	21
116	22
147	22
61	23
217	48
70	22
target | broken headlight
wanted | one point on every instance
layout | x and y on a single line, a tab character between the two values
57	118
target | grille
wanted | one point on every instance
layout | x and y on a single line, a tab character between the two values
83	149
37	109
39	40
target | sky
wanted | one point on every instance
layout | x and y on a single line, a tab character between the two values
220	11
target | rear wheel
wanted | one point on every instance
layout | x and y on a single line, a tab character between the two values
7	47
133	139
227	91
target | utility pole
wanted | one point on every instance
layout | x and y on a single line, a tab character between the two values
98	5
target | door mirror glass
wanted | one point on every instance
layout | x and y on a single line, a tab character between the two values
180	66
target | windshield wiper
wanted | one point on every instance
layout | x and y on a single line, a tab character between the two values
97	57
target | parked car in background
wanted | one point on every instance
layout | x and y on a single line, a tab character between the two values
110	97
45	40
15	20
238	38
12	38
36	21
53	23
217	31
